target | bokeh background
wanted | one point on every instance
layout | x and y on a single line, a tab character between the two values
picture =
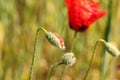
19	20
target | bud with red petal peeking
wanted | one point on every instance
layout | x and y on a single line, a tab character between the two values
82	14
55	40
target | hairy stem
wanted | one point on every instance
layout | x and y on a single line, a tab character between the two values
92	57
35	51
63	71
73	40
52	68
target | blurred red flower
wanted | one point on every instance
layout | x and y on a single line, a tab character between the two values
82	14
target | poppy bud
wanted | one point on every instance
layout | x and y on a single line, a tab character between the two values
69	59
112	49
55	40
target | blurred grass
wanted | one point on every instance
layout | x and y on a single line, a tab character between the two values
17	34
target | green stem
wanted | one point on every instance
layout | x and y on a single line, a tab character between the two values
105	62
35	52
92	57
43	29
52	68
63	71
73	40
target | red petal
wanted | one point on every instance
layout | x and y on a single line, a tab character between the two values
96	13
82	13
68	3
60	39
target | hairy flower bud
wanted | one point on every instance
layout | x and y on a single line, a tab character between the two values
69	58
55	40
112	49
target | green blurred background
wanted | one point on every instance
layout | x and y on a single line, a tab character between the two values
19	20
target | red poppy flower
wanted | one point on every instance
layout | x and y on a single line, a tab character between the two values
82	14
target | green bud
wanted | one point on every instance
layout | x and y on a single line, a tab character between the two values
69	59
112	49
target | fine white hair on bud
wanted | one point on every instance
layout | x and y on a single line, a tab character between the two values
112	49
69	58
55	40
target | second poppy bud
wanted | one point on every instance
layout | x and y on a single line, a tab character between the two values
55	40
